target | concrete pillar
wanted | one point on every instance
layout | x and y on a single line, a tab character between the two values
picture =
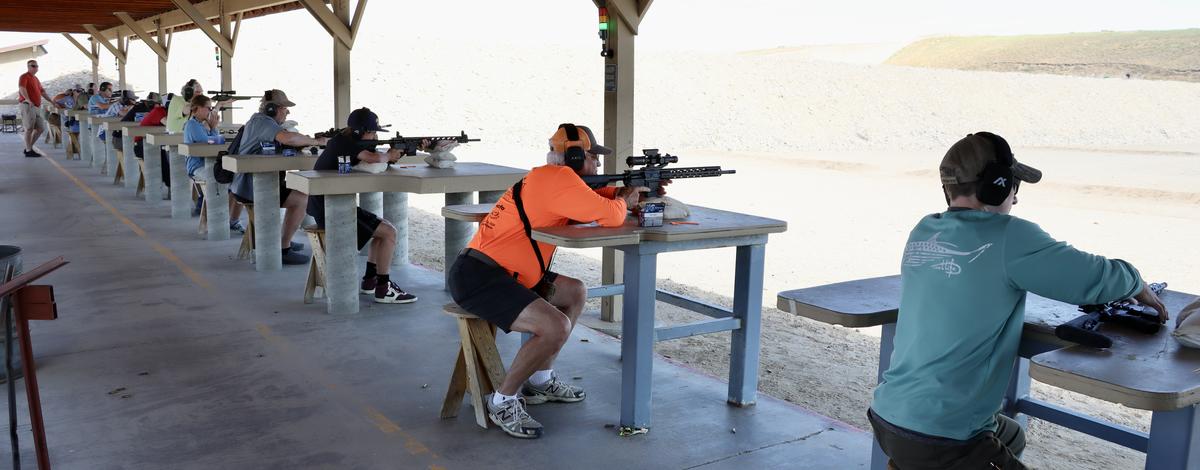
618	135
458	232
341	280
85	142
217	197
110	150
490	197
395	210
373	203
268	247
152	162
181	185
129	161
97	149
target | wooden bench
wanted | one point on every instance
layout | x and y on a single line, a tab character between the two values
247	246
316	264
467	212
478	369
119	175
197	192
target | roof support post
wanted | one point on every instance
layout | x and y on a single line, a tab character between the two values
123	46
343	30
164	42
229	31
95	65
618	122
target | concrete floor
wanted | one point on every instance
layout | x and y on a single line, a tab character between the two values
170	354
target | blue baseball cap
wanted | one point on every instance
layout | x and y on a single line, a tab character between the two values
364	120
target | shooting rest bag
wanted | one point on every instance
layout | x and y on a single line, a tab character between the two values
1188	332
440	156
673	209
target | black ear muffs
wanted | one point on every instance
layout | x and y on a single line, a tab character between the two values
997	180
573	156
189	90
268	107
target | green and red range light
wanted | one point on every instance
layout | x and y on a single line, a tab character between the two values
603	19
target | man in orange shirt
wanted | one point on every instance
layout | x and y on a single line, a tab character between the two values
29	98
503	277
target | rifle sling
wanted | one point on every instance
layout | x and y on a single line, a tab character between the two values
516	190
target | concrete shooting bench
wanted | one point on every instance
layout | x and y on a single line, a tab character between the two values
459	184
180	201
264	169
151	168
100	150
641	245
1149	372
216	195
473	213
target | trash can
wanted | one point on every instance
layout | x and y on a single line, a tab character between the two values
9	256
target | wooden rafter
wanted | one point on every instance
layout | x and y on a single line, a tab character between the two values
116	51
143	34
226	45
332	24
82	49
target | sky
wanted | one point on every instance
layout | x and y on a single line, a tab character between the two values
759	24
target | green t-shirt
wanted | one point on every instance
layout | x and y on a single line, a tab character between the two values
962	307
176	114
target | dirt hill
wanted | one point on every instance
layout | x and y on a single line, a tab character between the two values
1154	55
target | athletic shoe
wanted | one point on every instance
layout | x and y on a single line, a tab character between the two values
236	226
513	419
393	295
292	257
368	285
554	390
31	154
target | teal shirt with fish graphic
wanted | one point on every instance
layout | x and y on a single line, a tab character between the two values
964	276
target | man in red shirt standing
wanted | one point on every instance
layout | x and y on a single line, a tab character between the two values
29	99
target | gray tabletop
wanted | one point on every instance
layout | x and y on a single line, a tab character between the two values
408	178
704	223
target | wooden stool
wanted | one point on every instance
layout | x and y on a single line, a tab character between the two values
197	191
73	146
316	264
247	247
141	186
478	369
119	175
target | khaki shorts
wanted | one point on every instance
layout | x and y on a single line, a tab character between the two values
31	117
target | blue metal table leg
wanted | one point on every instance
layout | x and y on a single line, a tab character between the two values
747	306
879	460
637	338
1174	440
1018	389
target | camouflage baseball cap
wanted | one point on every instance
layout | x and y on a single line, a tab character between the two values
966	159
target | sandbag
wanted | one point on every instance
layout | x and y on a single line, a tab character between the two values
1187	330
674	209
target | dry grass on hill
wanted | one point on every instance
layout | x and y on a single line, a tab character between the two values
1154	55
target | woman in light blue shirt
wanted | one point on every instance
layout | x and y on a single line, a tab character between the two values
201	128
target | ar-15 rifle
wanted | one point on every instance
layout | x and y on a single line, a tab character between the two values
410	144
335	131
654	172
1083	329
228	95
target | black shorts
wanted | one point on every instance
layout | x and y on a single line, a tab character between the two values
367	223
284	192
484	288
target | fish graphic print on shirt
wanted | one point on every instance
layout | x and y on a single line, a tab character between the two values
939	255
